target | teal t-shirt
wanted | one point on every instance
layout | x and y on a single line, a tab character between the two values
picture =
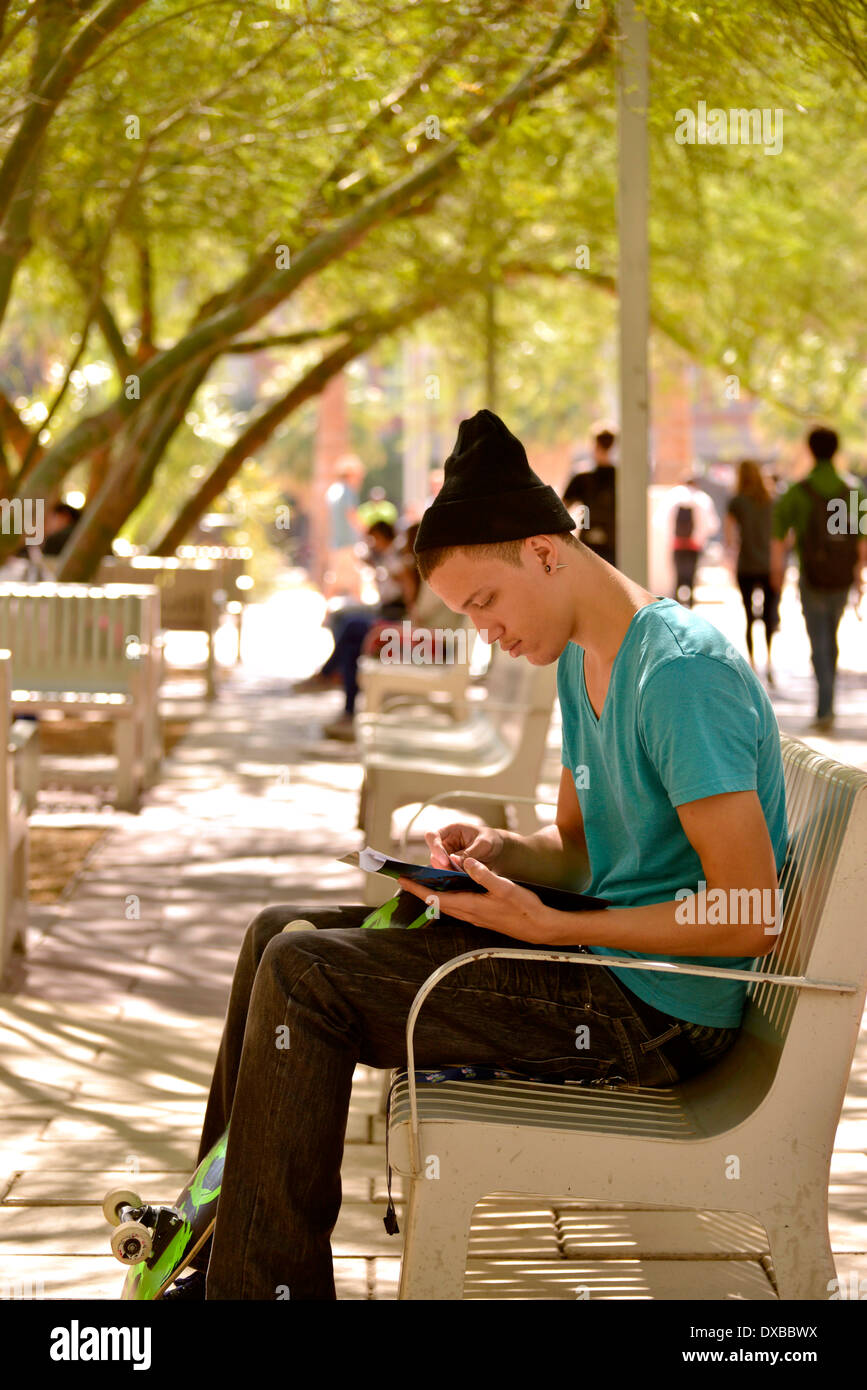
684	717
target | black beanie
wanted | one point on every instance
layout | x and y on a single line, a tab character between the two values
490	492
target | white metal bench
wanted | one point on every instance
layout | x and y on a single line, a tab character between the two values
83	649
191	593
498	750
13	826
772	1102
234	582
384	683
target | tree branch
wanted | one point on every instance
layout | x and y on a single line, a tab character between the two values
215	333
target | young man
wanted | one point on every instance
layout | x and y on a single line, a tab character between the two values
832	554
671	784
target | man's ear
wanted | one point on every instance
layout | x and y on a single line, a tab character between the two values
541	549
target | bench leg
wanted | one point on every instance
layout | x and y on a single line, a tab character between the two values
437	1235
19	895
211	671
801	1251
378	810
526	820
28	770
153	746
127	743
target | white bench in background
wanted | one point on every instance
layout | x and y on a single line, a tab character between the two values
386	683
191	596
88	650
234	581
498	750
773	1101
13	825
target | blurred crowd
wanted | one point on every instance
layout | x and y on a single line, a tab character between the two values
822	517
755	528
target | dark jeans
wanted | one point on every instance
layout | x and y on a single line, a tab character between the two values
350	627
748	582
685	562
823	609
339	996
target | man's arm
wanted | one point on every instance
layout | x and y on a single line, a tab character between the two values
555	855
778	560
783	535
730	836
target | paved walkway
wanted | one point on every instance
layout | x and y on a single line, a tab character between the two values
107	1044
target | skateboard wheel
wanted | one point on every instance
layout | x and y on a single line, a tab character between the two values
299	925
131	1243
121	1196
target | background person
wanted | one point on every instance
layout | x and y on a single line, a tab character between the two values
344	529
747	529
60	523
692	520
596	490
392	583
830	560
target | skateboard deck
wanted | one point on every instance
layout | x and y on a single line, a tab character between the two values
158	1242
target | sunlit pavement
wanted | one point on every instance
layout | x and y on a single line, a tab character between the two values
108	1042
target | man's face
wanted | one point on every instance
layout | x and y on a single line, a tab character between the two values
518	607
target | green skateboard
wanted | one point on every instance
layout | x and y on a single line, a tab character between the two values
158	1242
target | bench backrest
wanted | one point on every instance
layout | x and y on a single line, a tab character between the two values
822	932
73	638
513	681
187	588
230	560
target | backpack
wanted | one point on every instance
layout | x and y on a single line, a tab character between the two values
827	558
684	523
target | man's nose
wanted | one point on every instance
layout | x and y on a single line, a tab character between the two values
487	633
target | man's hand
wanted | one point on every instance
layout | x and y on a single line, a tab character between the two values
504	908
459	840
777	575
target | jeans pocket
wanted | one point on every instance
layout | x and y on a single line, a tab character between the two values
652	1065
651	1044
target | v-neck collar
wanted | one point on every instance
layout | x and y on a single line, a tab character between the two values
597	718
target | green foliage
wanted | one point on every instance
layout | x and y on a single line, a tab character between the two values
202	135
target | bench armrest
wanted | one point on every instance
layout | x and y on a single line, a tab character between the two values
444	704
460	794
579	958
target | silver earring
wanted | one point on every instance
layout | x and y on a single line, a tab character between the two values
557	567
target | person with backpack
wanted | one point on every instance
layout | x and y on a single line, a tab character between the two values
832	554
693	519
748	535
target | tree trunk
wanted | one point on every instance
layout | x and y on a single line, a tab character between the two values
264	425
212	336
125	487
